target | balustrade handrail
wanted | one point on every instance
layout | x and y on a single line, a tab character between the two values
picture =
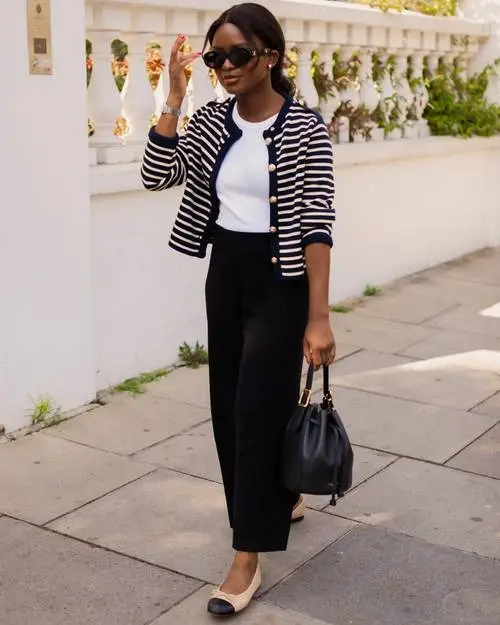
324	11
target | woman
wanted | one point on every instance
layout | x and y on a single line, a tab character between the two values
258	170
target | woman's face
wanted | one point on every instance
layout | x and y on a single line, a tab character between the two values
241	80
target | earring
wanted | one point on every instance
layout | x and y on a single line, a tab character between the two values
270	66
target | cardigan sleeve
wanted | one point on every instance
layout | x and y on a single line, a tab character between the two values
318	212
166	160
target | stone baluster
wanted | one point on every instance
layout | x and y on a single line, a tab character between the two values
138	99
433	64
420	93
332	101
404	94
104	101
387	91
350	94
305	82
368	93
203	90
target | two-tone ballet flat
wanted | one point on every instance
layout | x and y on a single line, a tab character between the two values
224	604
299	510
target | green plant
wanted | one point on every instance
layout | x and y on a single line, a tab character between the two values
340	309
371	290
135	386
43	409
458	105
443	8
194	356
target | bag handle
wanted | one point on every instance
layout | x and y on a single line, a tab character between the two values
305	396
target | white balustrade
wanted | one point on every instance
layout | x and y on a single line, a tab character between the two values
312	27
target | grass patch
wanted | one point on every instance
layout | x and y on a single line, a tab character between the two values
340	309
44	409
194	356
135	386
371	290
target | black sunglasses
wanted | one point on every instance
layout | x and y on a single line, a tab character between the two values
237	55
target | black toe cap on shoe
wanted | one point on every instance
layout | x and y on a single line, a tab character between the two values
219	607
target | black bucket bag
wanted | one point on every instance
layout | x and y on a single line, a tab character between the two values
317	455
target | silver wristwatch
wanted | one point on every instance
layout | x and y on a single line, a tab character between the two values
168	110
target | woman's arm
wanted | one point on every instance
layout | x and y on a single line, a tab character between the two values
319	342
317	219
167	157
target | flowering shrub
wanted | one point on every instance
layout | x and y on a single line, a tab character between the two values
443	8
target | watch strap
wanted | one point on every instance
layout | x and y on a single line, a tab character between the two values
169	110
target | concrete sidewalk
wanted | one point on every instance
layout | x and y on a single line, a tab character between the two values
117	517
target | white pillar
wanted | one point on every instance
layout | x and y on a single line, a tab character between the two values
489	11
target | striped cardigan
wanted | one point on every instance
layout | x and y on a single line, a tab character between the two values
300	180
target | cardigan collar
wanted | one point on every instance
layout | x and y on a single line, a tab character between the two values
234	130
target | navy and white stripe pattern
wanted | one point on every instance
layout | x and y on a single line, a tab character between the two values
300	178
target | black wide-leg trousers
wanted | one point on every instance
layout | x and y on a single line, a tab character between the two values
256	325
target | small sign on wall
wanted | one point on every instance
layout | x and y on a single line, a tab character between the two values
39	38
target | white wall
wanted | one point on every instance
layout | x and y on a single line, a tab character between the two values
413	210
402	206
46	337
148	299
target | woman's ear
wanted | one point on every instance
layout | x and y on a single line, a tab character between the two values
273	59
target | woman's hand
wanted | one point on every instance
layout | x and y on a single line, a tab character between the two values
319	343
176	71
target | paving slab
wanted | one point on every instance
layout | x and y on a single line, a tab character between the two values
342	351
483	456
478	267
405	307
367	462
46	579
180	522
490	407
466	318
193	453
128	424
378	334
437	283
407	428
44	477
438	504
374	577
363	360
447	342
457	381
193	611
190	386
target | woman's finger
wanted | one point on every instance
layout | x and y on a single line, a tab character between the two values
180	39
317	358
307	351
189	58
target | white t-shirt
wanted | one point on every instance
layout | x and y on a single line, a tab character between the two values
243	181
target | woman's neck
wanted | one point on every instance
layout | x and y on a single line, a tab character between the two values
259	104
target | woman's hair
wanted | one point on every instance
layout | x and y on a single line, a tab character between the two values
257	22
